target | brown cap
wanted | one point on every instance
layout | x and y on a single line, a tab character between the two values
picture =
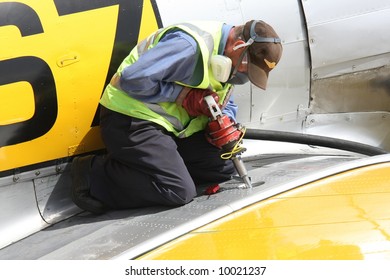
264	51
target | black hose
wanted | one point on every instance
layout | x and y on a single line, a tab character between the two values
314	140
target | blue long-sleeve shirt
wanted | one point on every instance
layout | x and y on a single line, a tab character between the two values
152	77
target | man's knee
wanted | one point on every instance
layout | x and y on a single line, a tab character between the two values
177	196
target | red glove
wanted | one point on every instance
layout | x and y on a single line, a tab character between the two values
195	104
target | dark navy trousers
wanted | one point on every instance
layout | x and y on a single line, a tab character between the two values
146	166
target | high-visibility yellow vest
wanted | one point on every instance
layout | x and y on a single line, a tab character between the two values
172	117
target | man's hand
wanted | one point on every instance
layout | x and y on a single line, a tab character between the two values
195	104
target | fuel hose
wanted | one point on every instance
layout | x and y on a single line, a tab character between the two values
313	140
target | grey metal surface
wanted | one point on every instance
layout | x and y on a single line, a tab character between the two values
19	215
127	234
352	126
350	55
32	200
367	91
289	83
346	37
53	197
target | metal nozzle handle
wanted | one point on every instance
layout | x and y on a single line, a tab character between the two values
241	170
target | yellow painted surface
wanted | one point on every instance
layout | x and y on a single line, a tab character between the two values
77	47
10	96
148	22
346	216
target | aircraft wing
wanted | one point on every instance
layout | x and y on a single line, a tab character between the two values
317	139
304	205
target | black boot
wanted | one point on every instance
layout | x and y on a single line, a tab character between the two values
80	189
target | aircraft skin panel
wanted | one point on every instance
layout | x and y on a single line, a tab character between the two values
19	215
57	102
350	54
56	57
132	233
345	216
53	70
364	27
340	125
289	84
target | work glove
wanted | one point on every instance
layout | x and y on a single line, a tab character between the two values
195	104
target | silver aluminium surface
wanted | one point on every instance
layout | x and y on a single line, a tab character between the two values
128	234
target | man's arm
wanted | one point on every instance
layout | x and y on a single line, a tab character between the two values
152	77
230	109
